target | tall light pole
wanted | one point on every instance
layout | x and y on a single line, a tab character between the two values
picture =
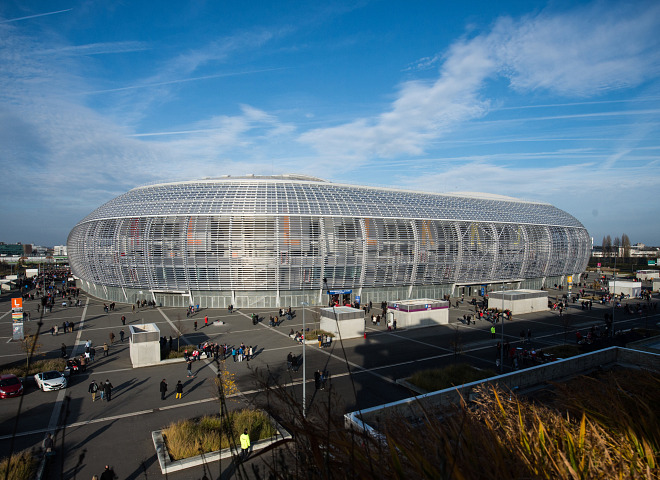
614	294
304	386
502	328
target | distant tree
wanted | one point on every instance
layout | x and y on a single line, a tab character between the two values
607	245
616	245
625	243
179	331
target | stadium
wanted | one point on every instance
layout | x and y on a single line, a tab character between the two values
274	241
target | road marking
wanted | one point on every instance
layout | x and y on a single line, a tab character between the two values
57	408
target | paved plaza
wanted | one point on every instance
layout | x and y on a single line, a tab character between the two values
93	434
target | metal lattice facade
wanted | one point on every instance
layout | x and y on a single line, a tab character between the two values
269	237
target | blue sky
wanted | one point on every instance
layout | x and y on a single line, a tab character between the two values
556	102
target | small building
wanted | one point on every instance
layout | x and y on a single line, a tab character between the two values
625	287
519	301
647	274
421	312
144	345
349	322
656	284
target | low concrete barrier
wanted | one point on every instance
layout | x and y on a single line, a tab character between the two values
518	380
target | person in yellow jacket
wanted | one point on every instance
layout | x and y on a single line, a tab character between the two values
245	444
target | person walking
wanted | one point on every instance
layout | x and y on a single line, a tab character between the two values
492	331
93	388
92	353
123	320
111	335
206	321
179	389
245	444
163	389
289	361
107	390
189	367
108	474
83	363
105	349
121	335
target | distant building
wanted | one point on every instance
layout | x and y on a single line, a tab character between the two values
59	250
15	249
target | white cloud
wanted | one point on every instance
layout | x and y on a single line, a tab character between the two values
578	53
590	50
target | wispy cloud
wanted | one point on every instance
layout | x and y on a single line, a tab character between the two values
35	16
581	53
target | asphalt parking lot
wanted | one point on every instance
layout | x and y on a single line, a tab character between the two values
93	434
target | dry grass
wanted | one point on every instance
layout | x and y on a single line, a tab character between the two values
441	378
188	438
604	426
37	366
23	466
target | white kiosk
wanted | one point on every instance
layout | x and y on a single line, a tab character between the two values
421	312
349	322
144	344
626	287
519	301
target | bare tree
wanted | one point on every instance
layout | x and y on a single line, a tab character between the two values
179	331
625	243
617	244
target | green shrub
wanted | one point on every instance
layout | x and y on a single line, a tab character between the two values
315	333
188	438
23	466
441	378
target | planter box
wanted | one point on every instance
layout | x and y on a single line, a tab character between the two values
168	466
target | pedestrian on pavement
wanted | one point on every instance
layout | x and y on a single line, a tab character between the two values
107	390
83	363
195	324
121	335
123	320
245	444
179	389
92	353
93	388
108	474
112	337
289	361
189	367
233	353
63	350
105	349
206	321
163	389
492	331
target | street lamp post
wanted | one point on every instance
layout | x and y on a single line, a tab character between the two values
613	296
502	328
304	386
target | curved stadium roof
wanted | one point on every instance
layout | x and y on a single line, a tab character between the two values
296	195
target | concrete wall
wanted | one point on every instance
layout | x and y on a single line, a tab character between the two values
422	318
634	289
351	328
521	379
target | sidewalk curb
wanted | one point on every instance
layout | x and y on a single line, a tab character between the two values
168	466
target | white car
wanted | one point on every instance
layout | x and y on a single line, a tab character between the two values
51	380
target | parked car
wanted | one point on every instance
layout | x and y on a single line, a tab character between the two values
51	380
10	386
